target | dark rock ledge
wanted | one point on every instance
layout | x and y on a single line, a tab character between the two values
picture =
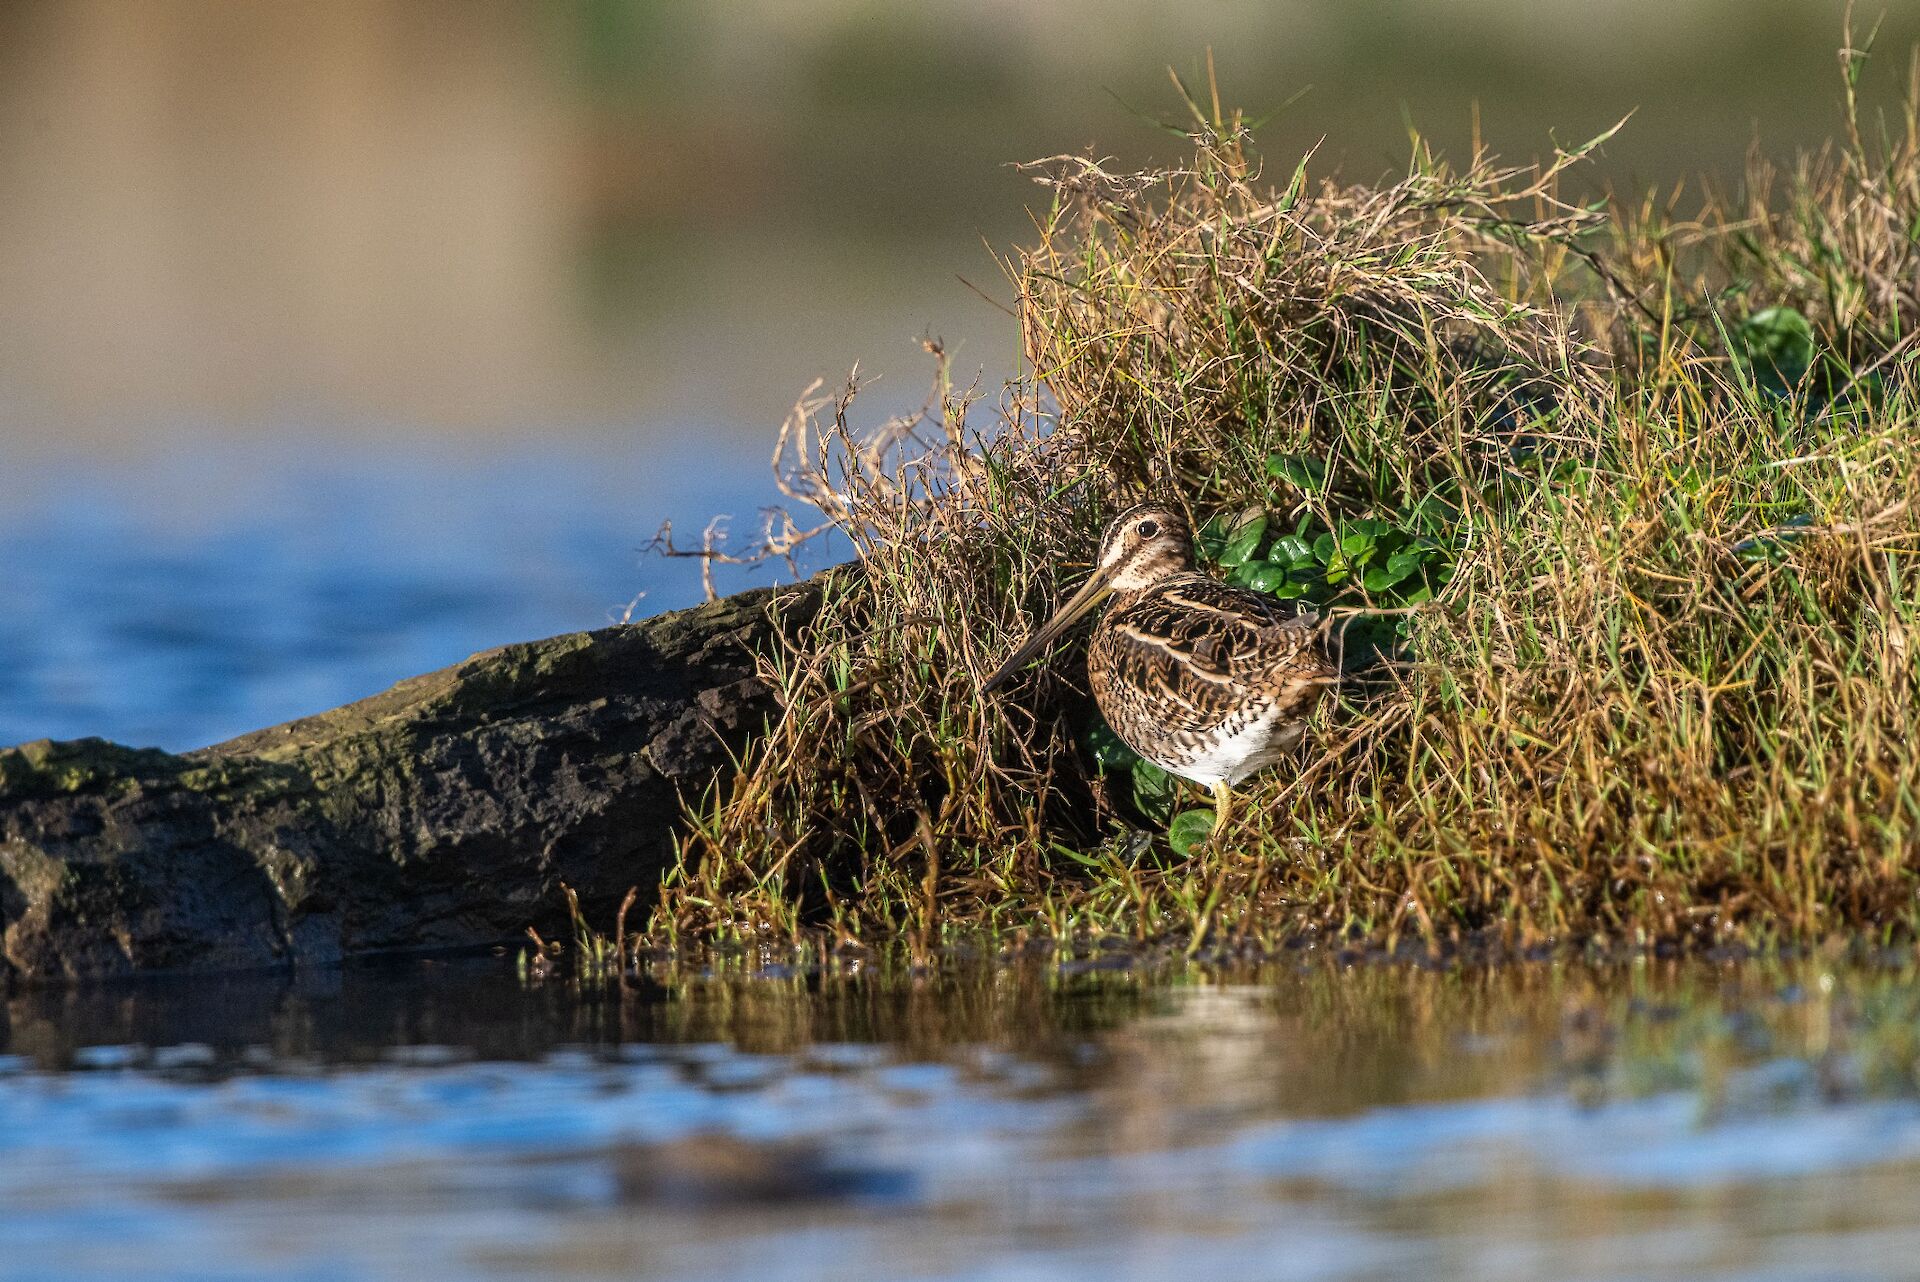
443	813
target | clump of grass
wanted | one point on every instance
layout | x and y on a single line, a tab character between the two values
1611	509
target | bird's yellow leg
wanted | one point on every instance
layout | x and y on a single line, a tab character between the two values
1222	803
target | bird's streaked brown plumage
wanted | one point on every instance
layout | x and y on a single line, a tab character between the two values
1209	681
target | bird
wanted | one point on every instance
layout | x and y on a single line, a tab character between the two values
1209	681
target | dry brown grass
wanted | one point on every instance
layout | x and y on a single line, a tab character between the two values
1652	680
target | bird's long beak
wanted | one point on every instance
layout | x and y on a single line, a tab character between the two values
1091	593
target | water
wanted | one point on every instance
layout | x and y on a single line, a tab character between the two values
217	590
340	341
1041	1120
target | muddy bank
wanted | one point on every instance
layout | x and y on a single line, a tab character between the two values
442	813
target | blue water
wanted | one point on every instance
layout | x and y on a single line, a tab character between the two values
224	586
1091	1119
450	1121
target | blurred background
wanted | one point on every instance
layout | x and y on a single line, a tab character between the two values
339	340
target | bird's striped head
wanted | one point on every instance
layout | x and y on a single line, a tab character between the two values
1142	546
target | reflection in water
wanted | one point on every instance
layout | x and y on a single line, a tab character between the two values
969	1121
606	241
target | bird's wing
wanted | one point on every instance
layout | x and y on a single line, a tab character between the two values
1203	649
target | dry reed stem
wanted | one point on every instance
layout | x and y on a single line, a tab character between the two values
1666	694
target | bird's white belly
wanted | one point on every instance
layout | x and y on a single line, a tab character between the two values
1246	750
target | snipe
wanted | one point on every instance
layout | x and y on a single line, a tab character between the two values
1208	681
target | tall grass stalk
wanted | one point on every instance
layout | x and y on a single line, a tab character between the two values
1611	508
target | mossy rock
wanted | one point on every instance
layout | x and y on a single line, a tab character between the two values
443	813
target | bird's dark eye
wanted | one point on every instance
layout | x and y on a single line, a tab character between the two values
1148	529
